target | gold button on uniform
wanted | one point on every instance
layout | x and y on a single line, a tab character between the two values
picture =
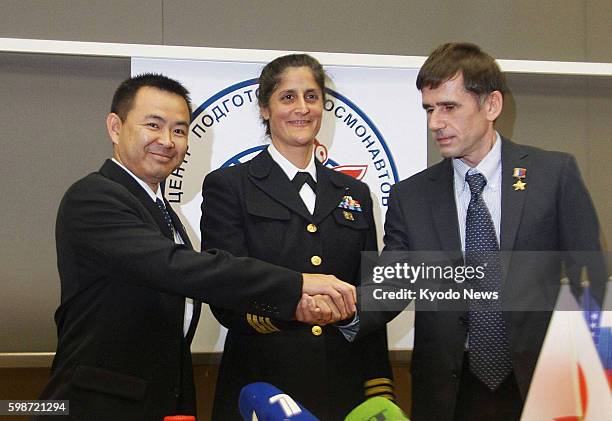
315	260
317	330
311	228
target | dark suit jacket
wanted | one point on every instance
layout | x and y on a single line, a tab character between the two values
253	210
553	213
121	350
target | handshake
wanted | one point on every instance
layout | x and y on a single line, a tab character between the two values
325	299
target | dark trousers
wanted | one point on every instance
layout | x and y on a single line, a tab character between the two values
475	402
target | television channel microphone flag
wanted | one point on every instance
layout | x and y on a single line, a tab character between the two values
377	409
264	402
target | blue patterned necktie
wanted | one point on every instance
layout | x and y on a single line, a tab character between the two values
489	353
165	214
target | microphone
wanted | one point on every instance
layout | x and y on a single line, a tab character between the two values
377	409
264	402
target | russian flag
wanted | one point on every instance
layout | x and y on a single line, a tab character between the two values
600	326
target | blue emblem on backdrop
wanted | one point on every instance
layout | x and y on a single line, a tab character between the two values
347	115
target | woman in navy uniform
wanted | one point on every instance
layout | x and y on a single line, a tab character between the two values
319	222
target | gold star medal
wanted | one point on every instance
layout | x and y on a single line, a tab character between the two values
519	185
519	174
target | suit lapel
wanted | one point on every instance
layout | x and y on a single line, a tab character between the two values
117	174
443	207
330	189
270	178
512	201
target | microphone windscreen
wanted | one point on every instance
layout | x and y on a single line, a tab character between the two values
377	409
264	402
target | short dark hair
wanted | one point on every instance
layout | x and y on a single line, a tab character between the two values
126	92
481	74
271	76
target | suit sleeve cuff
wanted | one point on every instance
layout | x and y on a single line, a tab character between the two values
261	324
351	329
381	386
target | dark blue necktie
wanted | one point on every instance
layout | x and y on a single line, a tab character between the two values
489	352
166	215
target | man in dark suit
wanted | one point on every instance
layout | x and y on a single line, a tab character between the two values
126	267
488	194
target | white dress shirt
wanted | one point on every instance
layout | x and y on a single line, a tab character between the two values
491	168
306	193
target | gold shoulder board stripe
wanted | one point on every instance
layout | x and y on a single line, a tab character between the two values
379	389
377	382
250	321
258	321
270	325
265	323
387	396
254	324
